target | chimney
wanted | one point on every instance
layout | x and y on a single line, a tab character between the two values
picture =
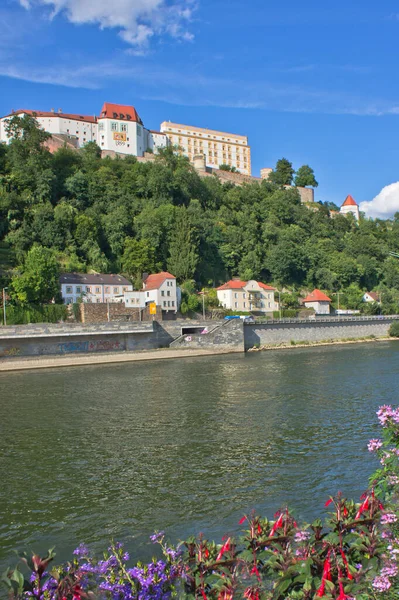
52	110
60	111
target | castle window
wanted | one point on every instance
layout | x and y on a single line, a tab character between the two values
114	126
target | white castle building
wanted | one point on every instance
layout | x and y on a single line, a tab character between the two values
118	129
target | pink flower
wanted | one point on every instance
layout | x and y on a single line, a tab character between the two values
374	445
388	518
381	583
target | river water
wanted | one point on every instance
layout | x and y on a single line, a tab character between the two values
94	453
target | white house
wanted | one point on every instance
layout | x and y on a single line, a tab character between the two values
349	206
371	297
159	288
86	287
247	296
118	129
318	301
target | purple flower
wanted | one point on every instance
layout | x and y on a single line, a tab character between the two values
374	445
157	537
81	550
393	479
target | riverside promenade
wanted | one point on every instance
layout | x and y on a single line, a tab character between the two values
47	362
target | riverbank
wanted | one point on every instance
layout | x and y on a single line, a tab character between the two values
48	362
294	345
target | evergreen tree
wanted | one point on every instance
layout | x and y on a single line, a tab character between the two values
183	256
283	173
305	177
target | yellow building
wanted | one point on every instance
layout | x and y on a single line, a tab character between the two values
218	147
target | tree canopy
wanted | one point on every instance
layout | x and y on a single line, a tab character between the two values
77	211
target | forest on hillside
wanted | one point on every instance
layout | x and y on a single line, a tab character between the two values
74	211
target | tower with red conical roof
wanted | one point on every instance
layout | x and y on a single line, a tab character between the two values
350	206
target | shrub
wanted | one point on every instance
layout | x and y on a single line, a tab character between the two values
394	329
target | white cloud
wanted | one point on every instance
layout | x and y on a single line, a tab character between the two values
385	204
136	20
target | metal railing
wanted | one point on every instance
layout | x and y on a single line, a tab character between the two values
311	321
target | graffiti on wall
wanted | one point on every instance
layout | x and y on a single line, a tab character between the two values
10	352
94	346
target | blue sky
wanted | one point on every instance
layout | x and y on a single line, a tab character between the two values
312	81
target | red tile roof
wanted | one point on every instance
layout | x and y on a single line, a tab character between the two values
236	284
374	296
120	111
41	113
153	282
317	296
264	286
233	284
349	201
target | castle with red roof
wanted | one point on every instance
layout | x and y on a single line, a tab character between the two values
117	130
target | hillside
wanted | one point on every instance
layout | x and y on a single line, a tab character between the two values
126	216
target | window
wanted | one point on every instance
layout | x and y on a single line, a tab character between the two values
100	126
69	289
138	130
244	304
269	304
244	295
114	126
148	294
116	290
88	289
173	302
235	295
235	304
164	302
168	293
123	127
107	290
98	290
162	293
78	289
168	302
98	300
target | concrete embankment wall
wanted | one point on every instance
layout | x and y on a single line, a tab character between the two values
227	336
67	338
315	331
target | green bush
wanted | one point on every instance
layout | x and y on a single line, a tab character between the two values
394	329
48	313
287	313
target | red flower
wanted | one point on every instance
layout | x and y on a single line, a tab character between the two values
241	521
364	506
223	549
328	502
325	577
277	525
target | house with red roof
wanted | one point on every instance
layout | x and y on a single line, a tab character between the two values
117	130
318	301
349	206
371	297
158	288
247	296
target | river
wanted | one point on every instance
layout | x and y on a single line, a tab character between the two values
94	453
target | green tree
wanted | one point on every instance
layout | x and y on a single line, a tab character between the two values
305	177
183	256
138	258
283	173
39	280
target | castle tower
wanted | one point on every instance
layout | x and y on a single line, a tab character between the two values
350	206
